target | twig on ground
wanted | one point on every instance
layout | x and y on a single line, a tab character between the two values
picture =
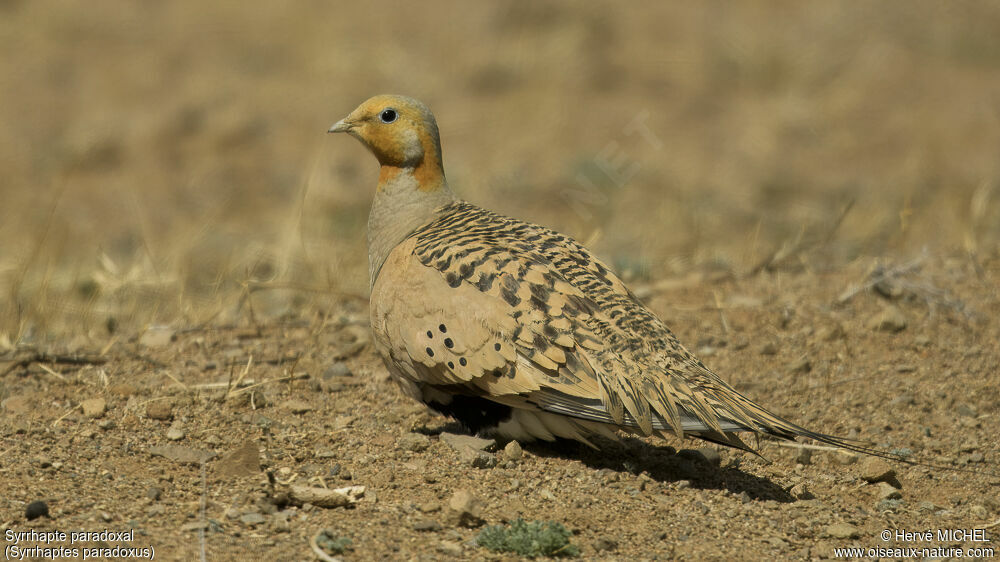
57	358
268	381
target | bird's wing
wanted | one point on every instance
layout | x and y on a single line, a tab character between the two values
524	316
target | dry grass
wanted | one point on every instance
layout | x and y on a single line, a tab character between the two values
167	163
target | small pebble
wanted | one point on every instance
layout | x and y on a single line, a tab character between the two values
887	492
459	442
843	531
465	509
338	369
160	410
415	442
513	451
874	469
154	493
477	459
94	407
36	509
175	433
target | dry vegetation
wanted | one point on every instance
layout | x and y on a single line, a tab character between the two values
778	181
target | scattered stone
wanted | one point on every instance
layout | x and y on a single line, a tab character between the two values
887	492
94	407
476	458
17	404
465	509
175	433
157	336
160	410
459	442
106	424
889	319
605	544
154	493
450	548
843	531
252	519
415	442
325	497
425	525
874	469
36	509
181	454
769	348
801	492
845	458
241	461
513	451
979	511
338	369
296	406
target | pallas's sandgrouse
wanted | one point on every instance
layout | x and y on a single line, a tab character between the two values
513	328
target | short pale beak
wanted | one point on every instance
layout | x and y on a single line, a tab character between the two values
341	126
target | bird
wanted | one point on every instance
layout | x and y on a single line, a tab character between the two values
518	331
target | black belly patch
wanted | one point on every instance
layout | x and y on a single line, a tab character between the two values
474	412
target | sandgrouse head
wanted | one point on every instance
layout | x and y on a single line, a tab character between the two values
400	131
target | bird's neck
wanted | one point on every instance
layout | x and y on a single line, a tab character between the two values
407	198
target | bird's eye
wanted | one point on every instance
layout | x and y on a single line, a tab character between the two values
388	115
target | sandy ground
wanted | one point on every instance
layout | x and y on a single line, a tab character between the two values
808	194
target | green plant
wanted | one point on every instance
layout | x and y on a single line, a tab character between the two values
530	539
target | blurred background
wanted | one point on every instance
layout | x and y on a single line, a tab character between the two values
167	162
